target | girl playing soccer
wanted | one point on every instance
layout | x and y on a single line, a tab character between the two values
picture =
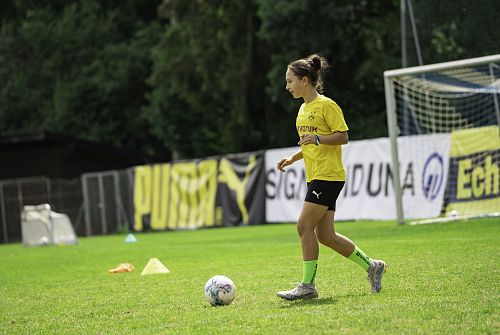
322	131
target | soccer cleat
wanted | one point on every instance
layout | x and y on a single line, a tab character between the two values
375	273
302	291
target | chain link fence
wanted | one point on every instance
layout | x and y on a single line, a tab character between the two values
442	31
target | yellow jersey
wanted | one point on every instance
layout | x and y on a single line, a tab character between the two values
322	116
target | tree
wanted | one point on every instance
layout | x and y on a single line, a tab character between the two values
454	29
204	78
77	68
358	39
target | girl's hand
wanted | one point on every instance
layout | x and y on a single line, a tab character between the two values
282	163
307	139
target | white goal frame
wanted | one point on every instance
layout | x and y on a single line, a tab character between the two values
392	125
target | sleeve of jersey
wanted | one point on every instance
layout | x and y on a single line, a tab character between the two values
335	118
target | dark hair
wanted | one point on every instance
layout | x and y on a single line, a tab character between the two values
311	67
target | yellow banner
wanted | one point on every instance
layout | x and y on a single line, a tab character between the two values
172	196
224	191
470	141
474	176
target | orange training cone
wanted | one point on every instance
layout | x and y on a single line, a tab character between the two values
124	267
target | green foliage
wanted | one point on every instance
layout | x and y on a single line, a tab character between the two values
445	41
358	39
454	29
440	280
200	78
72	69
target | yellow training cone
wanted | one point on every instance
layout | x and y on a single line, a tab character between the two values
154	266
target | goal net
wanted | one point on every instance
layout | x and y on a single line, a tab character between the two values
456	103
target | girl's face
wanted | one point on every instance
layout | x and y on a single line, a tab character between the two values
294	85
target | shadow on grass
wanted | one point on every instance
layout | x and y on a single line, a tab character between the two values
313	302
323	300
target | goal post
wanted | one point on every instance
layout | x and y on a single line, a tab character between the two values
456	104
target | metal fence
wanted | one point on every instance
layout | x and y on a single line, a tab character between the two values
64	196
107	196
96	203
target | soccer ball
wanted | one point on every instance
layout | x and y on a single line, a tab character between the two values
220	290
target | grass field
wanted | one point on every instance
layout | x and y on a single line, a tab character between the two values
442	279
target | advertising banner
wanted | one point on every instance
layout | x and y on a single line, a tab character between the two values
474	179
368	192
240	190
285	192
212	192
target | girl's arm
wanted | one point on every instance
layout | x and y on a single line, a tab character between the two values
337	138
289	161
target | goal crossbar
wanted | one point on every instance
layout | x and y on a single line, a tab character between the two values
442	66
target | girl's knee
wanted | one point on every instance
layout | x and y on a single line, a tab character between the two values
304	227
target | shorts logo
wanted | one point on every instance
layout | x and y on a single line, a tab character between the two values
432	176
316	194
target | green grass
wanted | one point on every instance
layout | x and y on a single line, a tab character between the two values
442	279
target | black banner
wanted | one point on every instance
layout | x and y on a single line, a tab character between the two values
241	189
225	191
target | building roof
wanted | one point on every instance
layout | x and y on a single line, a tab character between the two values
42	153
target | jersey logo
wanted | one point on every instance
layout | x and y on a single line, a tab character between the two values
317	194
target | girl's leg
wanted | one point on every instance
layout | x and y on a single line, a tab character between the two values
309	217
325	231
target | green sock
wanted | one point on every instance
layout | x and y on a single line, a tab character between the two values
360	258
309	271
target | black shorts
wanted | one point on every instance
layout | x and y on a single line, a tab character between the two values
324	192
